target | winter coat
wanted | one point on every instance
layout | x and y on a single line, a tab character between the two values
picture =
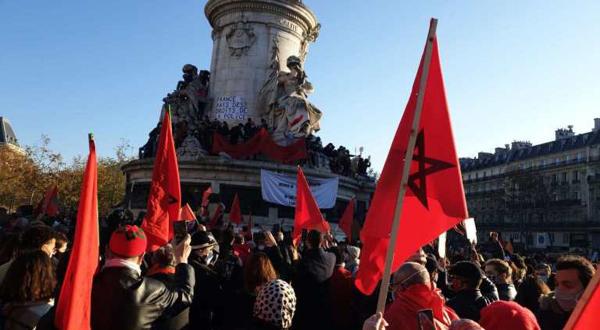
550	315
468	304
25	316
123	299
176	318
311	284
402	313
340	294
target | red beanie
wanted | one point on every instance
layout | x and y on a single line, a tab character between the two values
507	315
128	241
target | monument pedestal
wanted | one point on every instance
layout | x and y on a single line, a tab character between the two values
228	177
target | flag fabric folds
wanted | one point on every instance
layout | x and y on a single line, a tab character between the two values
205	195
48	205
164	201
186	213
74	303
235	213
434	199
307	214
348	219
214	221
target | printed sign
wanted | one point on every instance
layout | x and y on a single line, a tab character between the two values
281	189
231	108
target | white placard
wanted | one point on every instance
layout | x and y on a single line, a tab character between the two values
442	245
231	108
281	189
471	230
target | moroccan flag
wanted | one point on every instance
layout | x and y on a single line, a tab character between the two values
434	199
186	213
348	219
216	216
49	203
307	215
74	302
164	200
585	315
235	213
205	195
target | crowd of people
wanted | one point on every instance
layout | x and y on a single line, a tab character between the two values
231	277
337	160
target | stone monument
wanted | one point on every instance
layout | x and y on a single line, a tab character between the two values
256	82
249	38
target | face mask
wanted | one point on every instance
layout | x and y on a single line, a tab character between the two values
565	300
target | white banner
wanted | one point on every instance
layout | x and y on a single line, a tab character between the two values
471	230
281	189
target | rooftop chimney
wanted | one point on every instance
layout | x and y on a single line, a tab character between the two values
564	133
596	124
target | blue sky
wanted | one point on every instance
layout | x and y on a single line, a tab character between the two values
514	70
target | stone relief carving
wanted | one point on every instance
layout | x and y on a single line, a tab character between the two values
284	98
240	38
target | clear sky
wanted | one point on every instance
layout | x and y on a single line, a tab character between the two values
514	70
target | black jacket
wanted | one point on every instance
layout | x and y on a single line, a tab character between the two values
122	299
311	284
488	289
468	303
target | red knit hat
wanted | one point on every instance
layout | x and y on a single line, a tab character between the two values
507	315
128	241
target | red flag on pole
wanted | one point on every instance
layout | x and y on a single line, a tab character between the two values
434	200
585	315
205	195
216	216
307	215
186	213
74	302
164	201
235	213
49	203
348	219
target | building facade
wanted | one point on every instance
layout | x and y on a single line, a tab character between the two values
544	196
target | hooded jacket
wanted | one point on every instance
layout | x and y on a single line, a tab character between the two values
402	313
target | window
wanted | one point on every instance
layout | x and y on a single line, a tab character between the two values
575	176
576	195
563	177
484	174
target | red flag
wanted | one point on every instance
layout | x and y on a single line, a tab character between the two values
216	216
585	315
164	200
205	195
434	200
49	203
186	213
235	213
307	215
348	219
74	302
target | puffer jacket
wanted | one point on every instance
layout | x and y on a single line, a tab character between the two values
122	299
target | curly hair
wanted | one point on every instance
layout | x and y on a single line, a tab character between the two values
30	278
584	268
258	271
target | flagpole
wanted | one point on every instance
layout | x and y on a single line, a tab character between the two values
587	294
385	283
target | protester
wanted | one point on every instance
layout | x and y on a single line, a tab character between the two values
311	284
340	293
275	306
33	239
530	292
413	292
465	324
352	259
124	299
28	290
544	273
465	279
573	273
501	315
500	272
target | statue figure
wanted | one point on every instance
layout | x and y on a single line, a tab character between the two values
189	98
284	97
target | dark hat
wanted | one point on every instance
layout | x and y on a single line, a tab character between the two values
201	240
432	265
128	241
466	269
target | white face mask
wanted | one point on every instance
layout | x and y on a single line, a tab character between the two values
567	301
